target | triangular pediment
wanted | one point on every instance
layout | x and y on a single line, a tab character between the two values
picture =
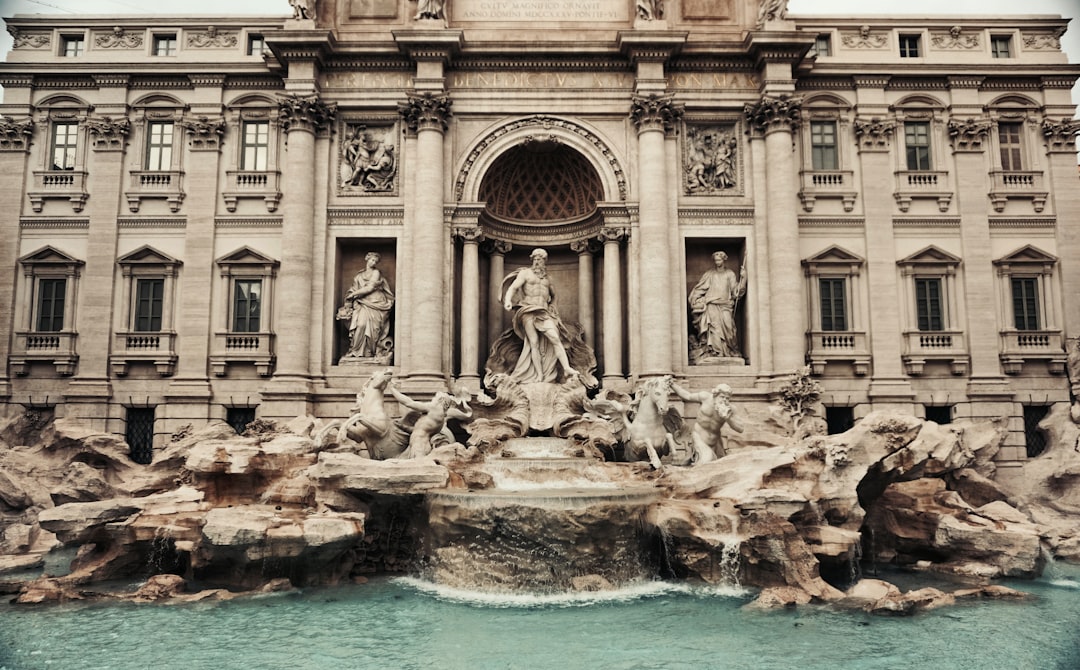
834	254
1027	254
246	256
931	255
147	255
50	255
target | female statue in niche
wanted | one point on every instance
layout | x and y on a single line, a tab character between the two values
367	307
712	305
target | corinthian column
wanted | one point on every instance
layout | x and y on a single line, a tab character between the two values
497	250
776	119
584	250
470	305
301	117
654	115
427	115
612	310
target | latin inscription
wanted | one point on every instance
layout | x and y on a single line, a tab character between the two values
541	10
692	81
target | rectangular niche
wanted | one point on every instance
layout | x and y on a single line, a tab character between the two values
367	158
712	162
375	341
716	312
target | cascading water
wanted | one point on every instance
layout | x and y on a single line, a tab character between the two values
553	522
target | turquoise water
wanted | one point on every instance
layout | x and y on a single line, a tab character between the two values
401	624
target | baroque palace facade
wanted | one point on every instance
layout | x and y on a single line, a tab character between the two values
228	217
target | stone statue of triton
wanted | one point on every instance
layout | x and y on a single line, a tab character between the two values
712	305
715	411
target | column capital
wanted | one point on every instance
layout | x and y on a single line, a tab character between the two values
107	133
874	134
613	234
772	114
1060	136
654	112
305	112
584	247
969	135
494	247
426	111
204	132
468	234
15	134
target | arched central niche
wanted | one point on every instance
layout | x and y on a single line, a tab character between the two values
541	192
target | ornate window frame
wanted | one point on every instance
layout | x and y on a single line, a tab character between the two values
948	343
56	347
838	183
932	184
848	346
144	182
243	183
156	347
1027	183
230	347
50	184
1045	343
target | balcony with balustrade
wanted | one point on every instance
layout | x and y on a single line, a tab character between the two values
825	347
1021	346
253	184
233	348
821	184
923	184
162	184
156	348
55	348
922	346
1016	184
67	185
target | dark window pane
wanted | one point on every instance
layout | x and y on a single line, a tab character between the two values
50	305
139	434
833	304
247	305
928	304
1025	303
148	305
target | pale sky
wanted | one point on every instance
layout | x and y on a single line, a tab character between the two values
1070	43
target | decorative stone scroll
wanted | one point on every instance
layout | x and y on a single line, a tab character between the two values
212	39
1061	135
23	40
308	113
769	114
426	111
369	162
15	134
204	133
1043	41
954	39
968	135
864	39
655	112
874	134
108	134
118	39
710	161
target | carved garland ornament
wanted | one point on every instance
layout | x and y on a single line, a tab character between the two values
15	135
119	39
31	40
1040	41
864	39
656	112
1061	135
954	39
305	113
212	39
426	111
545	123
968	135
769	114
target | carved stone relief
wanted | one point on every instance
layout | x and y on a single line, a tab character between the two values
15	134
212	39
711	160
368	159
968	135
864	39
108	133
118	39
204	132
1040	41
23	40
1060	136
954	39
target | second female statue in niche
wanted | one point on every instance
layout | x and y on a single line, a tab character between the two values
367	308
712	305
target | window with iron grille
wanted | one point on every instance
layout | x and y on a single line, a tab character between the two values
917	145
50	305
255	145
139	434
247	304
1009	143
159	145
839	419
1025	296
823	145
833	304
1001	46
928	305
909	46
939	414
239	418
149	298
1034	439
64	142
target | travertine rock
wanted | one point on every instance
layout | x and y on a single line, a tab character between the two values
349	472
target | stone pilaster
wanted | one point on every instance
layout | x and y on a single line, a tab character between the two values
427	115
612	312
15	137
654	115
470	305
776	119
1060	137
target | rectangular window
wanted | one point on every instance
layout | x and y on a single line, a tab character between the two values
1000	46
72	45
833	304
256	45
823	145
65	138
917	144
823	45
255	146
909	46
1025	295
239	418
247	305
1009	141
139	434
939	414
928	307
149	295
165	45
50	305
159	145
839	419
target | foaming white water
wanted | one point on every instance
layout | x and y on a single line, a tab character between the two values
1065	583
627	593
